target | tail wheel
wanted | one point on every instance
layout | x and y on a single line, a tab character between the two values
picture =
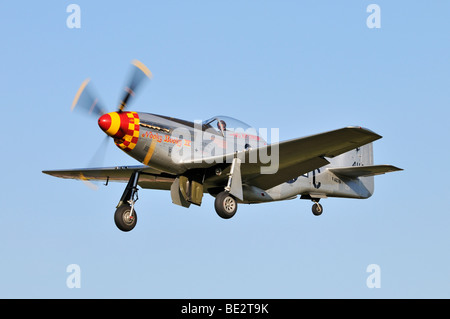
225	205
124	219
317	209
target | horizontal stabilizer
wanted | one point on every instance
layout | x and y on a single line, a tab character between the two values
360	171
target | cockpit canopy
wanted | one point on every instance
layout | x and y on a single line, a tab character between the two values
226	125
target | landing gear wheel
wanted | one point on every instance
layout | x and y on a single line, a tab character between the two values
317	209
225	205
123	219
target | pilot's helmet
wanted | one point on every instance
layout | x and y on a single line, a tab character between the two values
222	125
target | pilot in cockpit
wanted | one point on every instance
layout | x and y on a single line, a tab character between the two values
222	125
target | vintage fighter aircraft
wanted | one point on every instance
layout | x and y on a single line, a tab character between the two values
225	158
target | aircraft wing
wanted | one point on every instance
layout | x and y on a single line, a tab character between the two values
302	155
149	177
296	156
361	171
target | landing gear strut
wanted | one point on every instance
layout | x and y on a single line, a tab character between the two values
226	203
125	216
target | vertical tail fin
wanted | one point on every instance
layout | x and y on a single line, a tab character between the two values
361	156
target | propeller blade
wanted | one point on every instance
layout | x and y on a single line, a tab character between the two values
96	161
99	156
88	183
85	100
139	73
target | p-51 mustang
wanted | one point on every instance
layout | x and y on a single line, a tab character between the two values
225	158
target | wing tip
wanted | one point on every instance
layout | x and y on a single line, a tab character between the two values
366	130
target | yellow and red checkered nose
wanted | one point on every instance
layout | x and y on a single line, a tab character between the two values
110	124
123	127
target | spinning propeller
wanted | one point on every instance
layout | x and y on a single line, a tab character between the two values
114	124
86	100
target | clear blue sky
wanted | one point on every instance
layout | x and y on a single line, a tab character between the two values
303	67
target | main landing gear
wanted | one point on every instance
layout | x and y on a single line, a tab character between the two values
225	205
125	216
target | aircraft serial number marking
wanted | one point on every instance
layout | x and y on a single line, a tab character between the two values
336	180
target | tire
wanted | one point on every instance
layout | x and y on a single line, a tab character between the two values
123	220
317	209
225	205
